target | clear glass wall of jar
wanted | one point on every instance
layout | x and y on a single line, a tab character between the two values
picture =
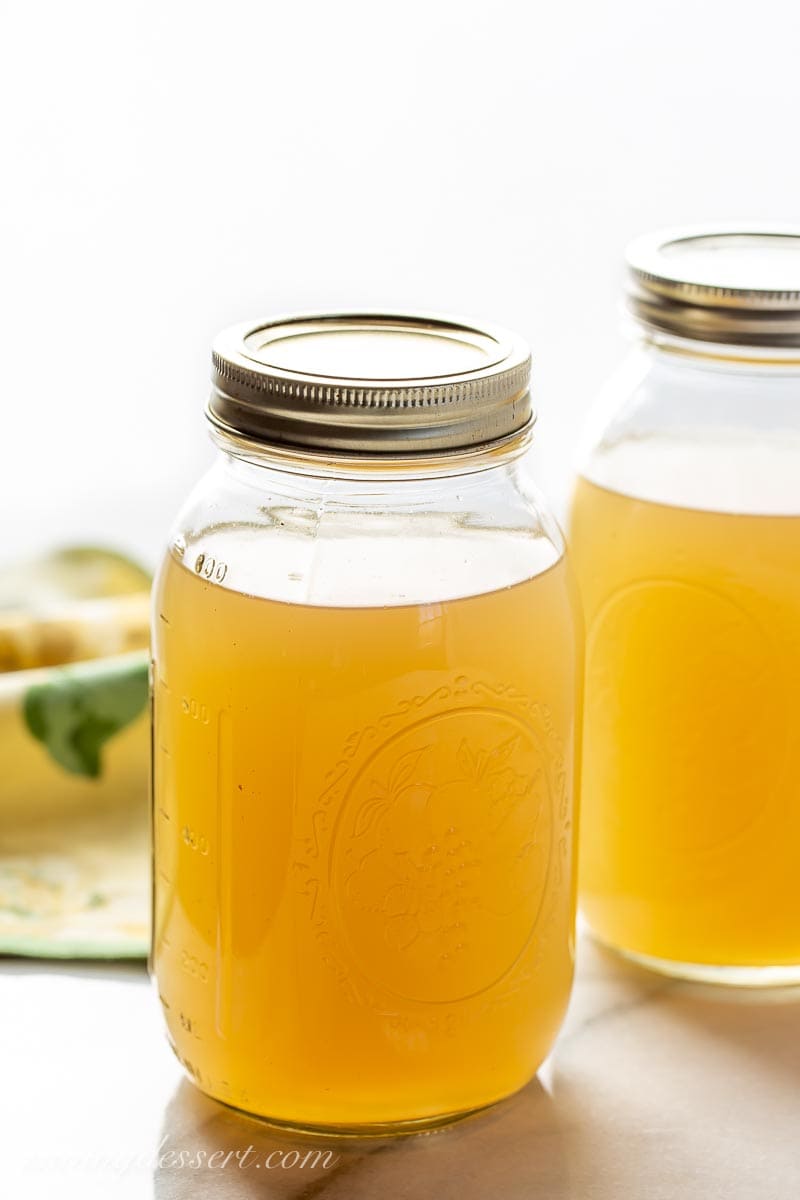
685	529
366	686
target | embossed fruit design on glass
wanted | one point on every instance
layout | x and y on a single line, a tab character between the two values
685	530
366	675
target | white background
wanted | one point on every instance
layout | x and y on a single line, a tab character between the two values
170	168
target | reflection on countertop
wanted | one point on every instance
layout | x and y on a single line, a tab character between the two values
512	1149
656	1090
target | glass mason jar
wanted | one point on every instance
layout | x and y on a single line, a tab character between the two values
366	676
685	528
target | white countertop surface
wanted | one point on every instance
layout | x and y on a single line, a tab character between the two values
655	1090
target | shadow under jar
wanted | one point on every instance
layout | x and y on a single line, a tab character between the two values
366	676
685	529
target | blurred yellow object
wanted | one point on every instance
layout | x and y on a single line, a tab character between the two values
75	572
75	632
74	757
70	606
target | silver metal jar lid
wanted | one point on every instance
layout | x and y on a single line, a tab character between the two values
369	383
718	284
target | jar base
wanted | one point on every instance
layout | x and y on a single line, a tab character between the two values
714	973
372	1129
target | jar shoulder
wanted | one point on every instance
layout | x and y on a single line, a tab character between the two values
697	435
365	542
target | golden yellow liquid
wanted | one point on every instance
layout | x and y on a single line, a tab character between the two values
690	845
363	846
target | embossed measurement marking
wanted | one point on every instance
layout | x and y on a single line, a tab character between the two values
189	1025
194	966
194	708
210	568
194	840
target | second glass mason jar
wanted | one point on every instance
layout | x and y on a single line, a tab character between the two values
366	678
685	529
